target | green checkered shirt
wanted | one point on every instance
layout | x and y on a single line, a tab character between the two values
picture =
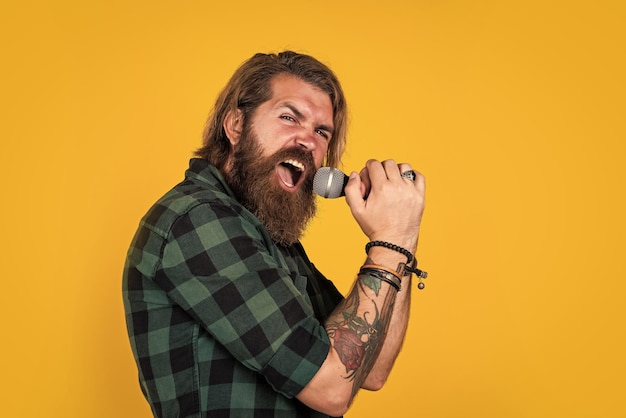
222	321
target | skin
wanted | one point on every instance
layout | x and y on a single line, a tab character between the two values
297	115
371	323
333	388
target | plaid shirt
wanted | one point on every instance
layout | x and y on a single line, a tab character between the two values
222	321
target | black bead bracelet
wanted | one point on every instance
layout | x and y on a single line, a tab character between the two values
411	261
397	248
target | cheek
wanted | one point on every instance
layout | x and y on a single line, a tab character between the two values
269	144
319	154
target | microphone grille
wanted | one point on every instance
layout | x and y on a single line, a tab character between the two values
329	182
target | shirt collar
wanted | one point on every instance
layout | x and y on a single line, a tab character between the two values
201	170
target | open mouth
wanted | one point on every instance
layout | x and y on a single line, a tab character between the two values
290	173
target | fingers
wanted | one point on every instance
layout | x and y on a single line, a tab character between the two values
389	170
363	185
366	182
418	181
377	173
352	189
405	168
377	194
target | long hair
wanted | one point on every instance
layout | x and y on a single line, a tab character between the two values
250	86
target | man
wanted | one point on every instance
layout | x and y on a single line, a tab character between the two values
226	315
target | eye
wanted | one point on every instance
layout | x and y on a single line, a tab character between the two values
322	133
288	118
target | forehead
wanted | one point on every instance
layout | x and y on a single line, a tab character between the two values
291	89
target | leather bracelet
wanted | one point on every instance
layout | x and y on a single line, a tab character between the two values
382	275
404	269
378	267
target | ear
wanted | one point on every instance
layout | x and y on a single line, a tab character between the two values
233	124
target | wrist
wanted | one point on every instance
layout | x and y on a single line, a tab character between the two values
407	242
408	254
404	268
385	256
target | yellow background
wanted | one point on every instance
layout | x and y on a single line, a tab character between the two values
514	111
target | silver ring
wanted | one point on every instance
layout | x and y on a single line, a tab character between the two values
410	174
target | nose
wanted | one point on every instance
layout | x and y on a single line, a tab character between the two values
308	141
314	144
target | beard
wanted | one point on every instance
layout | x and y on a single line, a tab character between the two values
253	179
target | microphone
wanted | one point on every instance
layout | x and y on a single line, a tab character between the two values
329	182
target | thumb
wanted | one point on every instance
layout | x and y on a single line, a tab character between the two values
353	189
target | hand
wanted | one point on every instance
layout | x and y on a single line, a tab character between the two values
386	206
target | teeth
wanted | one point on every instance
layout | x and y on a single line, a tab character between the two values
296	164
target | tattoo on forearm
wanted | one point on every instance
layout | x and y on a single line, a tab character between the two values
358	337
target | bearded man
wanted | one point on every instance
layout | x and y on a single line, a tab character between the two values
226	315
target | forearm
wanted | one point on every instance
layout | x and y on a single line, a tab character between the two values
367	329
398	324
393	340
356	330
363	346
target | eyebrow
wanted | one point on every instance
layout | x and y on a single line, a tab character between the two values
299	115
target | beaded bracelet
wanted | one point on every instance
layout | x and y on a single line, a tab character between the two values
403	268
397	248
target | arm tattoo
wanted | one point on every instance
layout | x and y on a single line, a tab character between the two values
358	336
